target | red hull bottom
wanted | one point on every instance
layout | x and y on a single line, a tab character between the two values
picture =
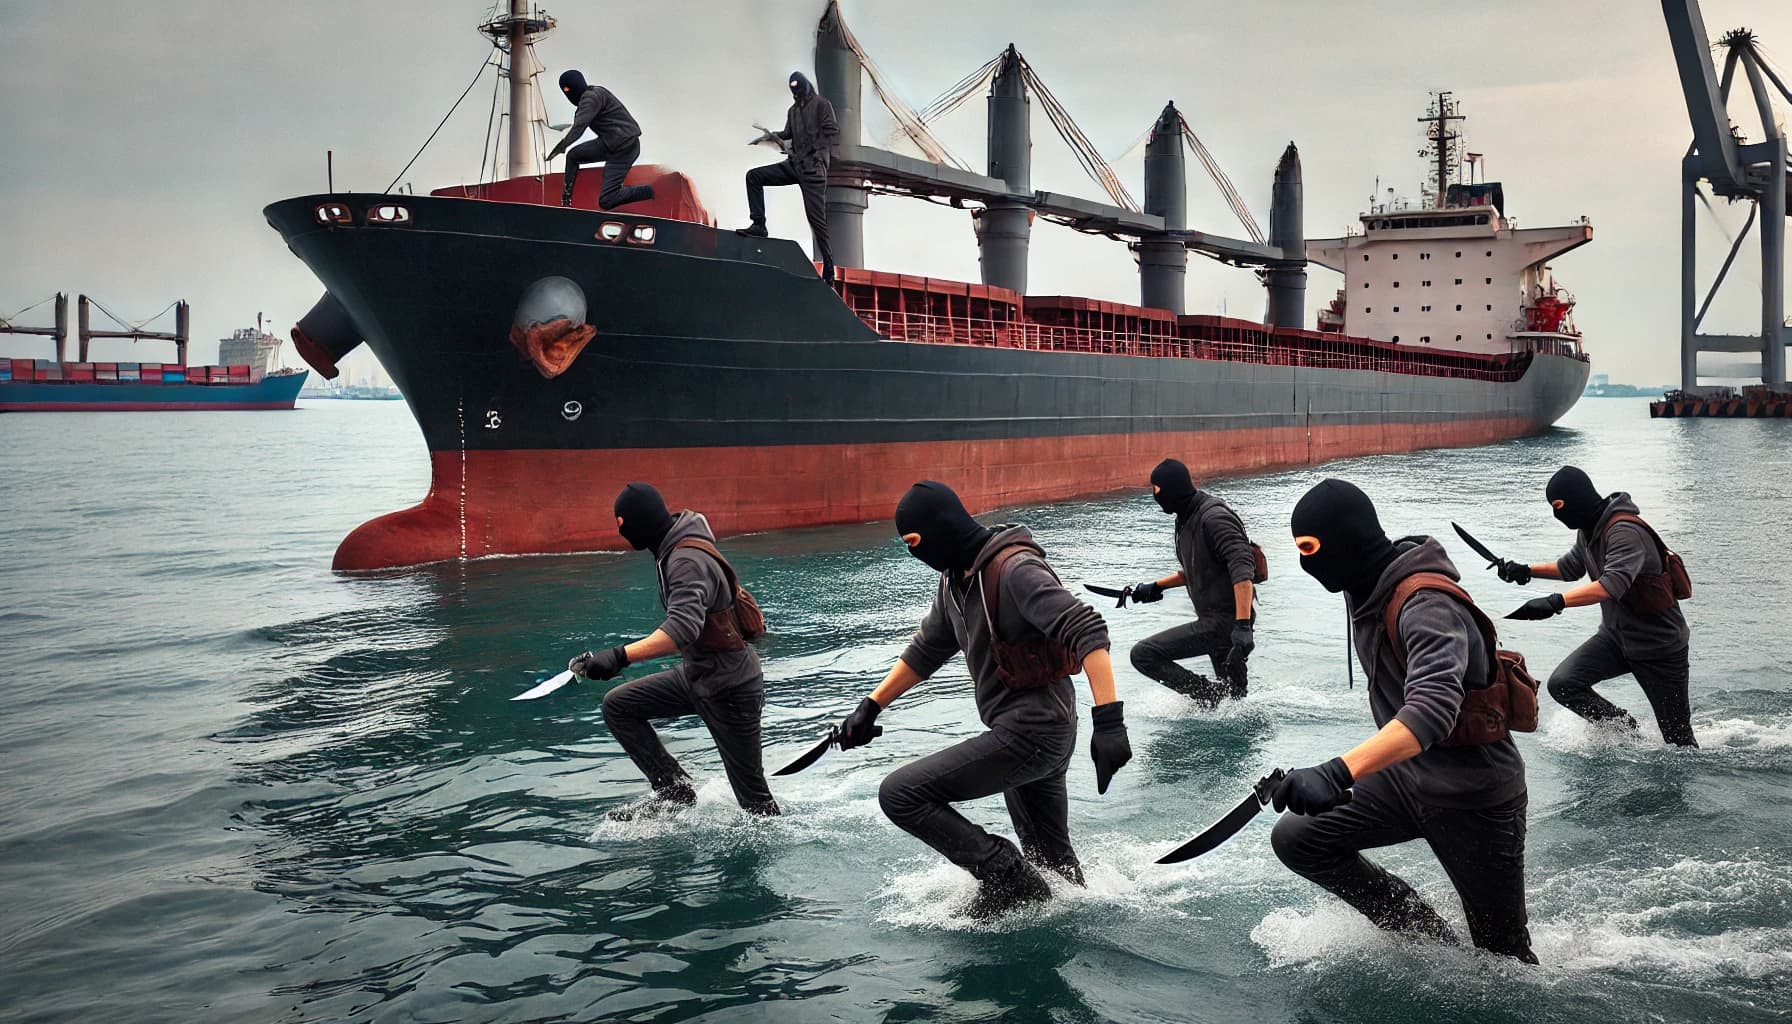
558	501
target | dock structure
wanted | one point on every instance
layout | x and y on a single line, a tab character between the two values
1004	204
1736	170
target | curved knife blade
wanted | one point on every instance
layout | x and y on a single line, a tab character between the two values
1229	825
1493	560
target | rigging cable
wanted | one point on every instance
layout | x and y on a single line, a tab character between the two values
1227	191
126	324
1084	150
906	119
6	321
483	63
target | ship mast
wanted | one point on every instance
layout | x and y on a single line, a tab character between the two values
514	33
1441	144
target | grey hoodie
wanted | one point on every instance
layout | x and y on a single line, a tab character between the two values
692	585
1032	602
1215	555
1616	559
1445	656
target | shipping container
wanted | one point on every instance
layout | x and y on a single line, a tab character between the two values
196	375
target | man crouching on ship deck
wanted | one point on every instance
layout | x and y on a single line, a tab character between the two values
718	679
1022	635
1442	766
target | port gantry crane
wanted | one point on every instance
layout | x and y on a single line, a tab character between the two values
1736	170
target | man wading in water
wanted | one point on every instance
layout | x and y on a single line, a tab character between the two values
1425	774
1641	629
1023	635
1218	567
718	678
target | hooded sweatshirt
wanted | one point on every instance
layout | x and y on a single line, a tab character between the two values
811	130
604	114
692	585
1033	602
1616	558
1215	556
1445	657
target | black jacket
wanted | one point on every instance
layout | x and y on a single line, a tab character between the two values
811	131
604	114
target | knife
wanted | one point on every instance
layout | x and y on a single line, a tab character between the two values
546	686
1493	561
1228	826
1110	592
813	754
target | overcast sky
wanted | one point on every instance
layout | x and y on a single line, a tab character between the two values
139	141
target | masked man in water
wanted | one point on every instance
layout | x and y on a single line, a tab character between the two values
808	138
1023	635
1411	779
617	146
1218	568
1641	629
718	677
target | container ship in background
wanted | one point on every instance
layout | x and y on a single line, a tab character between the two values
550	355
242	380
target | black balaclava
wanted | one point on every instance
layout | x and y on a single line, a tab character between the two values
1175	488
800	89
950	538
644	516
1581	503
572	83
1353	548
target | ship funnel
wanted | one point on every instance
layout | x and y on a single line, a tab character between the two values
1163	262
837	77
1287	276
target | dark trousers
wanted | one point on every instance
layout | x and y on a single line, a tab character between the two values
616	166
1028	770
1664	681
815	194
1481	850
732	717
1156	656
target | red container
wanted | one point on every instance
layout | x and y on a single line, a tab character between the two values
238	370
77	373
102	372
106	366
196	375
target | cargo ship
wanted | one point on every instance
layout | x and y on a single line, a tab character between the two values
550	355
241	381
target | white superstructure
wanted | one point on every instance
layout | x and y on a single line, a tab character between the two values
1454	274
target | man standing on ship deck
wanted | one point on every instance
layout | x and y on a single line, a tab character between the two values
1418	776
1641	629
1023	635
808	138
617	146
718	678
1219	566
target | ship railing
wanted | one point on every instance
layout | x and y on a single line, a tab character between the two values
1303	350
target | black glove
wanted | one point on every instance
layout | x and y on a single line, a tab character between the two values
606	664
1244	638
855	730
1147	592
1514	572
1540	607
1314	790
1109	746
